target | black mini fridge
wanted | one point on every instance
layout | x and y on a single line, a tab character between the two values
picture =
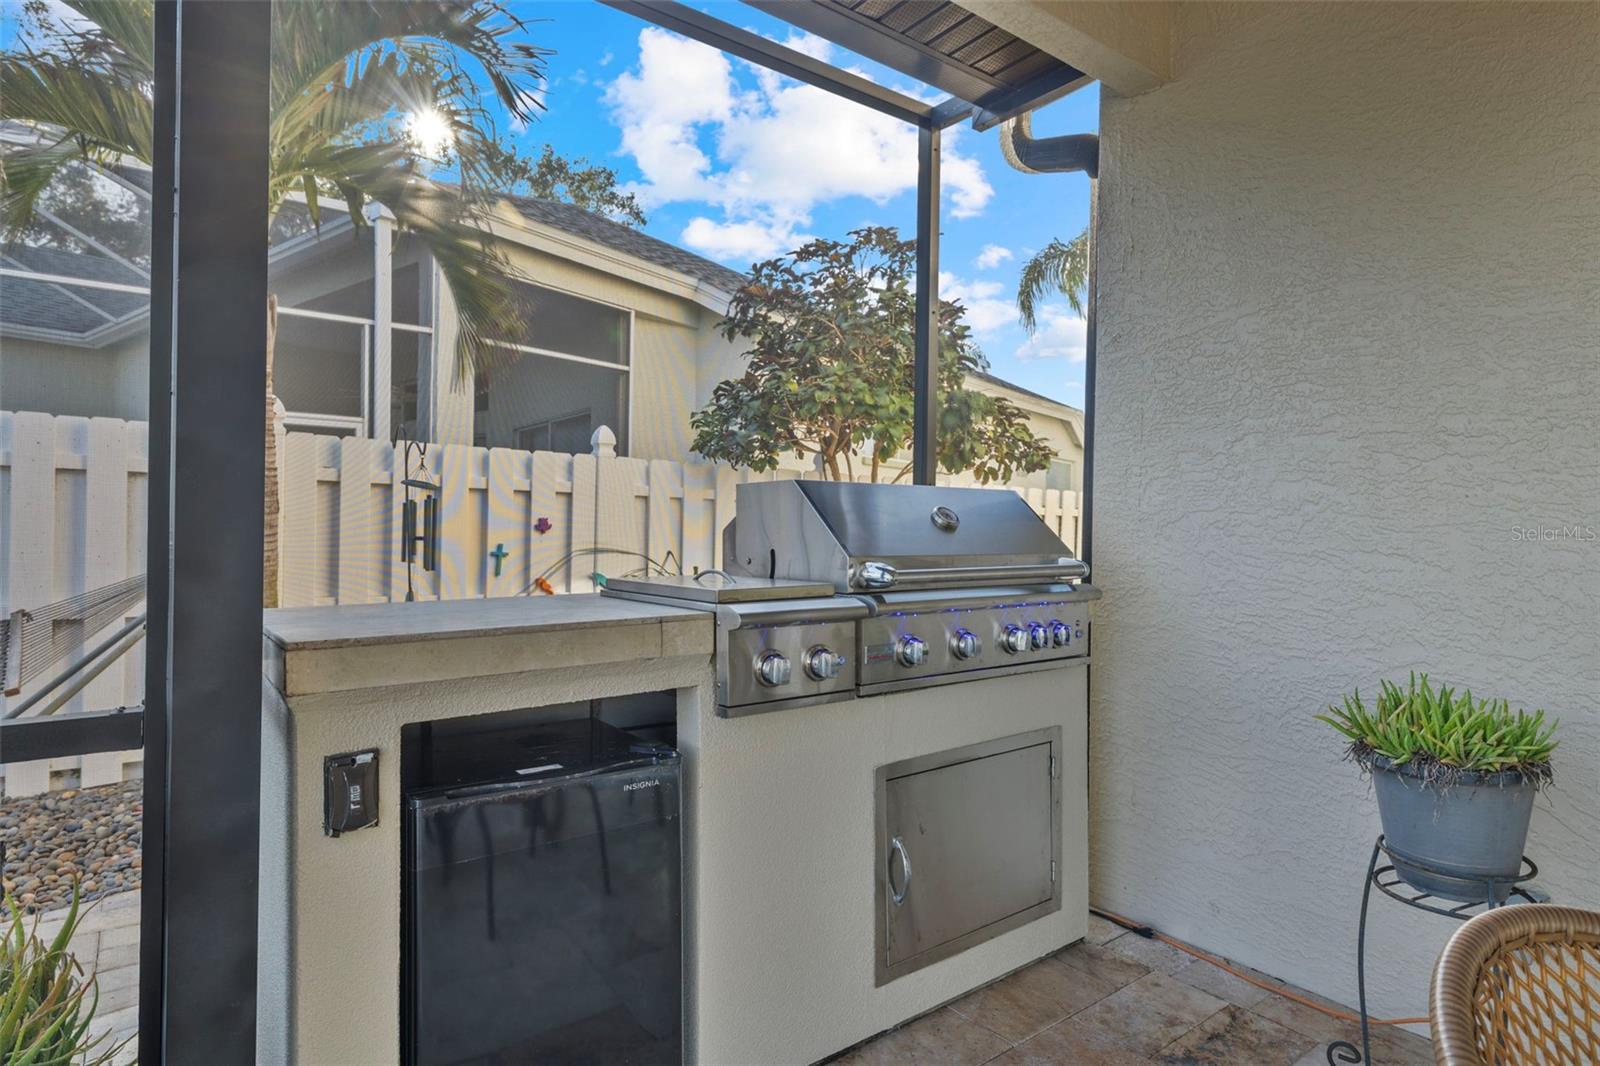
542	899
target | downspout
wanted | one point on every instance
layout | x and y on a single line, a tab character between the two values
1065	155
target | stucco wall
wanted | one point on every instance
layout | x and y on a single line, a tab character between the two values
1348	345
63	379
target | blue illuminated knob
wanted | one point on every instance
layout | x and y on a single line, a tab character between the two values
964	644
823	664
1060	633
773	669
1014	639
911	651
1038	636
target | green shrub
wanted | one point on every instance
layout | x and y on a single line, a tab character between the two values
1444	732
46	1002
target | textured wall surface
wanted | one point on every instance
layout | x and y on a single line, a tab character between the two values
1349	344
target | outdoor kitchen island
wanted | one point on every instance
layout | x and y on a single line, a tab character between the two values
780	858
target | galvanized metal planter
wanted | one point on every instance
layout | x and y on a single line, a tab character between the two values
1473	831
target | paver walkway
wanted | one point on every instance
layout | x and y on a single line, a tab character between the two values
1118	999
107	943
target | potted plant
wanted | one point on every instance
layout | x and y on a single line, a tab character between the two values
1455	778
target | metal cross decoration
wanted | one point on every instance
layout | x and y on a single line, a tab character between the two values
499	556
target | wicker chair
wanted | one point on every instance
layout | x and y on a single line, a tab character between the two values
1519	985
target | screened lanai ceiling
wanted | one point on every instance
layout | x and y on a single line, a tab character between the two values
941	44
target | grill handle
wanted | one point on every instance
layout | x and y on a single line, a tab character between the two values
880	576
898	847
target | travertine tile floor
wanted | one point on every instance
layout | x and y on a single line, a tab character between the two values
1118	999
1115	999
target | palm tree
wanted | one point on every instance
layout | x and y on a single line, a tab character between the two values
351	82
1059	267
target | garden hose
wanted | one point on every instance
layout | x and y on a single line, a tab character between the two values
1333	1012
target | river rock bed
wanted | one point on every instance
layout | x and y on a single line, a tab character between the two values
88	835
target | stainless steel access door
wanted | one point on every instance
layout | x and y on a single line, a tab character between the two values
969	842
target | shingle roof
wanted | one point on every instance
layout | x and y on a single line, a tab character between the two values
601	230
42	305
1014	387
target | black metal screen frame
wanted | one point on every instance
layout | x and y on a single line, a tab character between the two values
197	981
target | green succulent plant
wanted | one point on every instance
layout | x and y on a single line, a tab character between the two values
46	1001
1438	727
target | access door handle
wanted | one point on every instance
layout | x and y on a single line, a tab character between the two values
898	847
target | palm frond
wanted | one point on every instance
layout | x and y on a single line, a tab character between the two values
1060	267
103	114
25	173
316	44
360	172
120	32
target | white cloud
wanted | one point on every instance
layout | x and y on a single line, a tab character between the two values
605	60
991	256
987	308
962	181
1061	335
764	157
817	48
741	242
679	85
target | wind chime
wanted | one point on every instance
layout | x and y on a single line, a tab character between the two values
410	538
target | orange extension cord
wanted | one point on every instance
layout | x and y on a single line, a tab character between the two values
1342	1015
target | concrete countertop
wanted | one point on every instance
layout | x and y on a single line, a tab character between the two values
328	649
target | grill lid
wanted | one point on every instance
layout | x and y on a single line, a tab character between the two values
895	536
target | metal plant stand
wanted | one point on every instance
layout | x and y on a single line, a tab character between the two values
1388	881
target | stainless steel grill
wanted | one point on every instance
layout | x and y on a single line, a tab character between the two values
837	590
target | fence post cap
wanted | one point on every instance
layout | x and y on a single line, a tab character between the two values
603	444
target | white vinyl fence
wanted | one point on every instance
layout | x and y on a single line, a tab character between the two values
538	514
72	518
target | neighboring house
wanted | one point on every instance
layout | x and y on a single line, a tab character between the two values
622	333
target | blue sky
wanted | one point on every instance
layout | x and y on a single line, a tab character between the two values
738	164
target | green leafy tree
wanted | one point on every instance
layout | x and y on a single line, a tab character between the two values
830	364
1060	267
367	97
572	181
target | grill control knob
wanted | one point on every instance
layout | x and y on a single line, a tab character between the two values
823	664
1060	633
1038	636
773	669
964	644
1014	639
912	651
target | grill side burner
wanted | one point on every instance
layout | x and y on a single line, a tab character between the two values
780	644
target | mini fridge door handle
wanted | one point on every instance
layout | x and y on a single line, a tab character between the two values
898	847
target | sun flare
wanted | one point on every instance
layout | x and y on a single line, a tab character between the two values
430	131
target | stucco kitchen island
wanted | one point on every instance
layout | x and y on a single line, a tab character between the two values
779	859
